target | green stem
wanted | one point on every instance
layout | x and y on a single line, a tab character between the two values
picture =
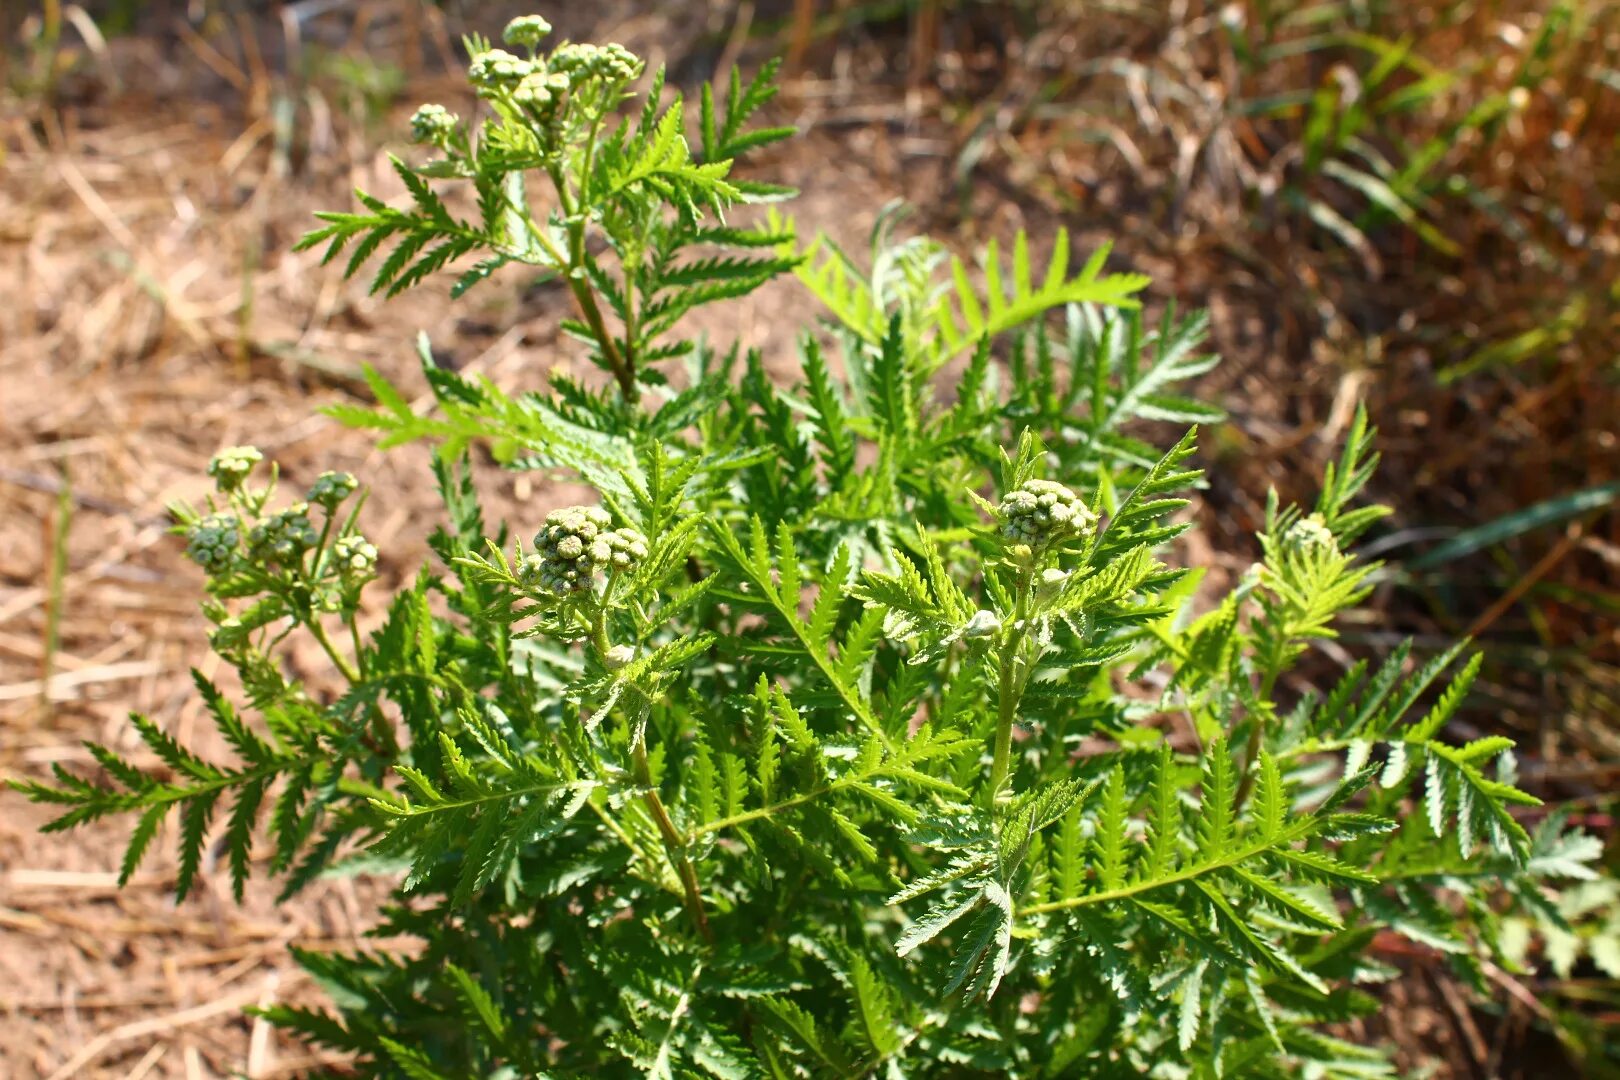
1009	686
775	808
319	633
1191	873
579	283
674	845
354	639
1257	739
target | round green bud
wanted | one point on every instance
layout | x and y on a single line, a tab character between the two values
214	542
576	545
1311	534
984	624
535	91
331	488
624	548
433	124
526	30
611	63
231	466
565	559
498	69
355	558
1041	512
285	536
618	64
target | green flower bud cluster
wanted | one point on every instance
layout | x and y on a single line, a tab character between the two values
231	466
541	89
331	488
574	545
539	84
526	30
355	557
1311	534
611	63
284	536
213	542
433	124
498	69
1041	512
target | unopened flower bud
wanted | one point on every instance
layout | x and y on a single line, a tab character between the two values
1041	512
433	124
983	624
567	551
535	91
526	30
285	536
231	466
1050	583
213	542
331	488
611	63
625	548
498	68
355	557
618	656
1311	534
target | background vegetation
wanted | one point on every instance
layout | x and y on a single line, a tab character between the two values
1410	203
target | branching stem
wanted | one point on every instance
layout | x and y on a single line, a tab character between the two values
674	842
318	632
674	845
579	283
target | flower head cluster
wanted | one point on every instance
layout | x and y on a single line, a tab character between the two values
331	488
574	545
526	30
284	536
1310	534
231	466
498	69
433	124
541	89
355	557
612	63
1041	512
212	543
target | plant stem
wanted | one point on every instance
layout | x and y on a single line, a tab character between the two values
354	637
319	633
1257	737
1009	686
674	843
579	283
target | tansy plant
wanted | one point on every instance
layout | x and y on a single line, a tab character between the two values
863	725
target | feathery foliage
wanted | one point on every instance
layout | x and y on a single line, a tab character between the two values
866	726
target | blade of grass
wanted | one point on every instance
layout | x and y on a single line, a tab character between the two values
1537	516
